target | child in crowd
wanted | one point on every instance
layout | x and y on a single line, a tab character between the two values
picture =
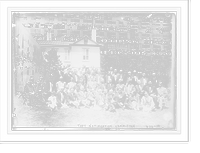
52	102
134	101
109	101
147	102
111	91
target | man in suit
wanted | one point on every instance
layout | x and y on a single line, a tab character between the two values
154	80
144	79
39	85
54	77
129	78
162	96
115	77
67	77
60	92
121	77
135	78
152	92
110	71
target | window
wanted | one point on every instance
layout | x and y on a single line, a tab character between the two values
85	54
23	42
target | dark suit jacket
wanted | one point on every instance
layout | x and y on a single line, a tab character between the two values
67	78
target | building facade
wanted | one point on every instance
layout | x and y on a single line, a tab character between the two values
124	37
24	48
84	52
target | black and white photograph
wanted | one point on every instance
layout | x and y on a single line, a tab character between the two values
96	72
93	70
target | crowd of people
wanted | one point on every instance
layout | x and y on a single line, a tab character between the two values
89	87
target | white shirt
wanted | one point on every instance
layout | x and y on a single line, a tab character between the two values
52	101
129	89
144	81
60	85
162	91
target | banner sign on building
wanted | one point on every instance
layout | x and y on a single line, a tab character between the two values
137	53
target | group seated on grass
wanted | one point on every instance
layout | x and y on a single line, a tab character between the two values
111	90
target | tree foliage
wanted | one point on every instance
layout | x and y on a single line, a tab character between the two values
52	61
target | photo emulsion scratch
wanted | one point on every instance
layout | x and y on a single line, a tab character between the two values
93	71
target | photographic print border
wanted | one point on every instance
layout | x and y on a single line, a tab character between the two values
174	71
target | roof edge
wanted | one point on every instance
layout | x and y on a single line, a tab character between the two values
75	43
